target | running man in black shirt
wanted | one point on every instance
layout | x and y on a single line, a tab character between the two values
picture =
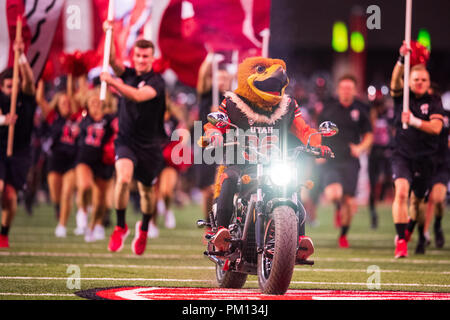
138	144
340	176
14	169
415	148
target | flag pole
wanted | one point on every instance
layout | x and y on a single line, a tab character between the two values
15	87
407	59
235	64
217	58
107	49
265	34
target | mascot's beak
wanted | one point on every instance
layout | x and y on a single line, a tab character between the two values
270	84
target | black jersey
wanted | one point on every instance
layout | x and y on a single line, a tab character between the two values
63	134
94	135
25	109
413	143
261	129
141	124
353	122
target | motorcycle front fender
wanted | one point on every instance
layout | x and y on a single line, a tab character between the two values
297	207
277	202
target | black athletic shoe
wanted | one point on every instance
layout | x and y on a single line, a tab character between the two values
420	249
439	238
373	219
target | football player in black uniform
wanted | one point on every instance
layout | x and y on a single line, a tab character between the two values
340	175
436	199
138	145
14	169
415	148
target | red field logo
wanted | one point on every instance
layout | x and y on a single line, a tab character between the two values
161	293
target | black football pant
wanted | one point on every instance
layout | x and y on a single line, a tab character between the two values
228	180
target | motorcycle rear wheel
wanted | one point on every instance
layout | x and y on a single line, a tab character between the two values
276	264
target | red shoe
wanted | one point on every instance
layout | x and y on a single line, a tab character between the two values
220	239
401	249
305	248
343	243
208	234
117	238
4	242
140	240
337	218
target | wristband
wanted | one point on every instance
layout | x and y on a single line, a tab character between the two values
401	59
2	119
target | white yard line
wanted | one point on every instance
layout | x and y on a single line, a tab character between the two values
143	266
37	294
200	256
212	281
103	279
100	255
365	284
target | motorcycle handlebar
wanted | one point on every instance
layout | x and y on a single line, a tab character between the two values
317	152
313	151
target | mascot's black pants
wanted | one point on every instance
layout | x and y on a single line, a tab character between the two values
228	181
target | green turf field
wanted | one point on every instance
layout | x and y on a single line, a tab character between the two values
37	265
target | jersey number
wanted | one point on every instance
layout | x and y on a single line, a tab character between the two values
94	136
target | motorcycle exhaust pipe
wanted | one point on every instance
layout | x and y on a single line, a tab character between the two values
215	259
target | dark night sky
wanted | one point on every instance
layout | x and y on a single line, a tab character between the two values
309	23
301	33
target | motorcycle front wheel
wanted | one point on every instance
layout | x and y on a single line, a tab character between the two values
276	263
230	279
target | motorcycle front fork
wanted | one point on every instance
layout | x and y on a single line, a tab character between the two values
259	223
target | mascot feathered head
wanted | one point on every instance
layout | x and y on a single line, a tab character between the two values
262	81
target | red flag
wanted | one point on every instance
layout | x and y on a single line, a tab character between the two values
181	30
130	20
229	24
10	10
42	19
184	56
220	25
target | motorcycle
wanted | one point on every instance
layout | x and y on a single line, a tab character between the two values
268	221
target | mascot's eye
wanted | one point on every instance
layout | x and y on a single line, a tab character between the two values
260	69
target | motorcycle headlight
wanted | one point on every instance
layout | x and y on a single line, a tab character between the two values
281	174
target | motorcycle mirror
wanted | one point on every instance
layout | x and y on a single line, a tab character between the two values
218	119
328	129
